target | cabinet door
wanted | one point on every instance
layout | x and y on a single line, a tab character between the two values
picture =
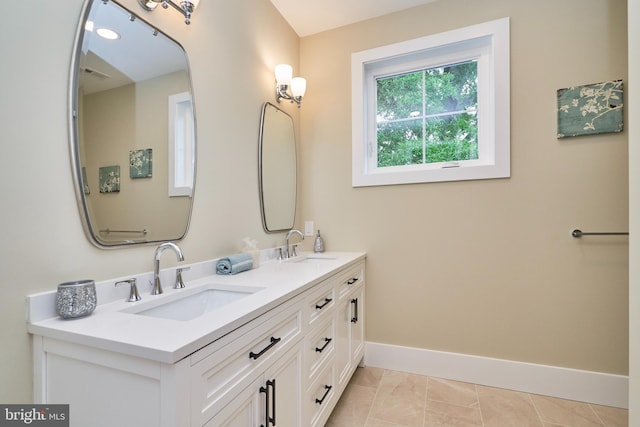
349	335
356	339
342	346
283	383
243	411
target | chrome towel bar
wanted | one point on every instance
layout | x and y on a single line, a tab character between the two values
579	233
108	231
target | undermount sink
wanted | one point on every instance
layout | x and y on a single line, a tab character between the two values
311	258
196	304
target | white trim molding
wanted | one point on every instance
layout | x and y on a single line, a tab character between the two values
584	386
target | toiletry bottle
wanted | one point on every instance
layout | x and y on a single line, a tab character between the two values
318	245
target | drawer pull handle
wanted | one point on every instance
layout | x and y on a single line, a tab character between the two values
274	341
326	343
352	281
354	319
321	306
327	389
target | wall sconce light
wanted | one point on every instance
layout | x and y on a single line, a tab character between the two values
284	80
186	7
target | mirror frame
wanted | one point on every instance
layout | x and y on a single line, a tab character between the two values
260	170
74	150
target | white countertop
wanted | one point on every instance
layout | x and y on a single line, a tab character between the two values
111	328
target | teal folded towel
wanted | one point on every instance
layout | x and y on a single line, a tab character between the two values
234	264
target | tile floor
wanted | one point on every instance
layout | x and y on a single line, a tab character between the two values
382	398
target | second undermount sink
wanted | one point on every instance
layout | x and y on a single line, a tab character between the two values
196	304
310	258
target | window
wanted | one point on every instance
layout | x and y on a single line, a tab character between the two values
181	145
433	109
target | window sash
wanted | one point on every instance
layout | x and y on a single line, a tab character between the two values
423	120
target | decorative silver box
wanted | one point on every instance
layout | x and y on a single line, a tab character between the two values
76	299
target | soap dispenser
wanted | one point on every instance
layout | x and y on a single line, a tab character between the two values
318	245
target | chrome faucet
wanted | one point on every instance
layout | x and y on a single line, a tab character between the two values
156	287
287	253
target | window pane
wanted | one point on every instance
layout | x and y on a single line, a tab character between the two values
399	96
451	138
451	88
400	143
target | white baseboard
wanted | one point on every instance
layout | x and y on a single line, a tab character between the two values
584	386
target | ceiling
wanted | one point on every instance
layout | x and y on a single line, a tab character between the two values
311	16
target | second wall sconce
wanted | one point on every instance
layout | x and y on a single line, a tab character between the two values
284	80
186	7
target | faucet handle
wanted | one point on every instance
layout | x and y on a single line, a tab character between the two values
293	251
133	292
280	257
179	282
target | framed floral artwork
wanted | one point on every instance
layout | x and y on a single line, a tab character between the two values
109	179
590	109
141	163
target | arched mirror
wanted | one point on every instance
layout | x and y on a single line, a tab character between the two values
133	129
277	169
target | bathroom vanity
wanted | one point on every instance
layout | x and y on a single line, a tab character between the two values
274	346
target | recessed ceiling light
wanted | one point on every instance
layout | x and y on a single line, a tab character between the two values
107	34
88	26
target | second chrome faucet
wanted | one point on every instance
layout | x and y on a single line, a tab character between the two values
156	286
288	253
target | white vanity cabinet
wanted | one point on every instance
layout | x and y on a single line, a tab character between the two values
285	367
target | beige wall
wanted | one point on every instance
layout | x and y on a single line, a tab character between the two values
486	267
232	48
133	117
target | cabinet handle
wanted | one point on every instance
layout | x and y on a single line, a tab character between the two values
326	343
354	319
321	306
269	419
274	341
272	383
265	390
352	281
327	389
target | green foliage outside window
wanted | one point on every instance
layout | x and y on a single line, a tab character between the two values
428	116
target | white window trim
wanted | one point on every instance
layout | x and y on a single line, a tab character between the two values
497	96
180	108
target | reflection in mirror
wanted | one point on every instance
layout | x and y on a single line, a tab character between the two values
133	129
277	169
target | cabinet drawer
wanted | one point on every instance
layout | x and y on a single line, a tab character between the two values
319	347
320	304
217	377
320	397
350	280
